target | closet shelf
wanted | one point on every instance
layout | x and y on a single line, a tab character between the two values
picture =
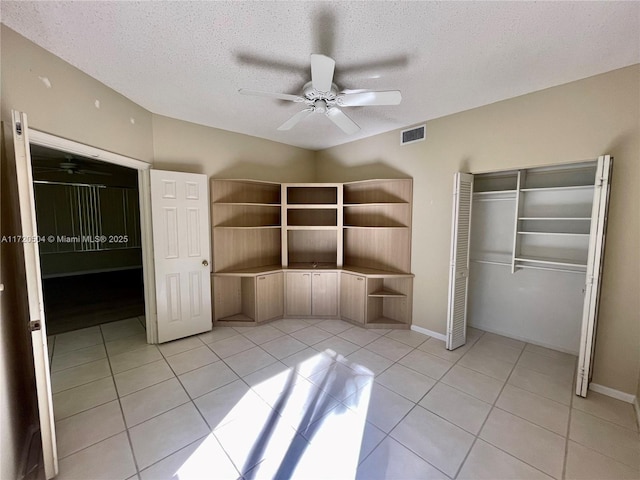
570	234
588	219
552	261
557	189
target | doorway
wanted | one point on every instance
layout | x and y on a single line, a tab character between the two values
88	218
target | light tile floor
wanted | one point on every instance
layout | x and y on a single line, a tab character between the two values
324	399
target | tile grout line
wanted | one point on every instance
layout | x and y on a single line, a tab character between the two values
192	401
496	407
566	441
493	405
124	422
416	404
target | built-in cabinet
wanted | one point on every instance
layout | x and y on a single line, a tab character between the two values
343	250
311	294
526	256
353	297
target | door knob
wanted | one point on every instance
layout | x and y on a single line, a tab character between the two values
205	263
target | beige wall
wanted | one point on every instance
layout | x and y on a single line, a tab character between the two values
195	148
572	122
67	108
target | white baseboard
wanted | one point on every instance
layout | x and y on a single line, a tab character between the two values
431	333
610	392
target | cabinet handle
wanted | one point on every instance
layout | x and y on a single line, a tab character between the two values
360	279
260	278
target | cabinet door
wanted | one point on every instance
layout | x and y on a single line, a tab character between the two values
269	296
298	293
324	297
352	297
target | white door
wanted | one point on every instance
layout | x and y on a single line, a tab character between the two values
594	272
459	266
180	214
26	199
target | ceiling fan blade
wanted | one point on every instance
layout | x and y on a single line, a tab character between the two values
281	96
46	169
295	119
338	117
92	172
322	68
391	97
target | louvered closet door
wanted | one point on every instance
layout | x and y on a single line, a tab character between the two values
594	272
459	272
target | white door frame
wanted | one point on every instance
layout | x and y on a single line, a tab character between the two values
43	139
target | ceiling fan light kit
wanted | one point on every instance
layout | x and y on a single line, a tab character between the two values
322	96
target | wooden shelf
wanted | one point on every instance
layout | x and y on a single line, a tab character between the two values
240	317
311	227
374	204
387	293
246	227
247	204
374	227
380	321
311	206
249	272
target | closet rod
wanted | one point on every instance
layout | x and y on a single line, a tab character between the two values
511	199
489	262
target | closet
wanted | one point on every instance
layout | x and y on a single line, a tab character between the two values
526	256
328	250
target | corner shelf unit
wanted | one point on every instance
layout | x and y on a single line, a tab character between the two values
360	228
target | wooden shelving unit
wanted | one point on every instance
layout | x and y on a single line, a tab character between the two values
341	250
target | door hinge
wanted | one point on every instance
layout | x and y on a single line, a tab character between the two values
18	128
34	325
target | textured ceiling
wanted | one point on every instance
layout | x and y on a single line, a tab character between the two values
187	60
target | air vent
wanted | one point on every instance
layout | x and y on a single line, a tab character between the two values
412	135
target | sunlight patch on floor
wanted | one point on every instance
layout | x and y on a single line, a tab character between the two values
293	424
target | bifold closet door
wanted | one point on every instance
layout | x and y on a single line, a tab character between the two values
594	272
459	266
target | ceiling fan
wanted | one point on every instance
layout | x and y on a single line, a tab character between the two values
321	95
70	166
